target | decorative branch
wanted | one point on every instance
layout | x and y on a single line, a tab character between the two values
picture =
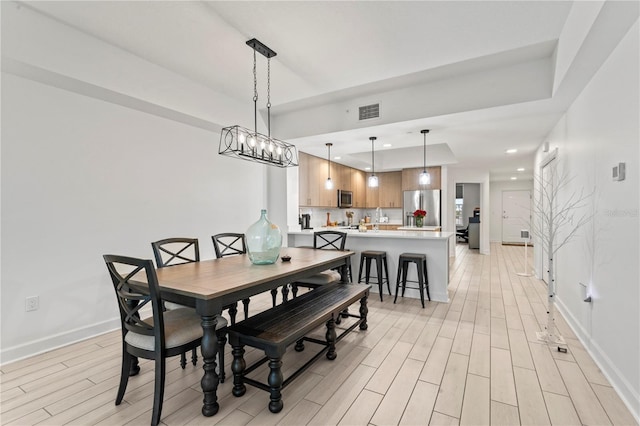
558	226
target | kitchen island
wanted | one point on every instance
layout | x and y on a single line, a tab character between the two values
434	244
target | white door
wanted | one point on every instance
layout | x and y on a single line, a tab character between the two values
516	215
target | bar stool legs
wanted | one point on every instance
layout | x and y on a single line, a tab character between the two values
381	262
420	261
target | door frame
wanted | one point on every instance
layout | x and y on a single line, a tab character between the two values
540	209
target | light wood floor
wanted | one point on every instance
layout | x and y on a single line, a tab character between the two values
475	360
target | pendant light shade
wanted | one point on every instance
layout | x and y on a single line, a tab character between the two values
425	178
328	183
373	179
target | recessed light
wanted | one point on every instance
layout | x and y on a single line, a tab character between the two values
521	169
511	151
367	168
514	178
386	145
337	158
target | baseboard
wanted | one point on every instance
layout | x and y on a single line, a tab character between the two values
35	347
625	391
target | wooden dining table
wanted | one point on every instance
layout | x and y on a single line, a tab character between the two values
209	285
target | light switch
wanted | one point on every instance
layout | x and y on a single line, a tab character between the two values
618	173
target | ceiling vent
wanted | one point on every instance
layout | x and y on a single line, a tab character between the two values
368	112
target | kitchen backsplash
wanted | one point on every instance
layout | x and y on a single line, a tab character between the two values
319	215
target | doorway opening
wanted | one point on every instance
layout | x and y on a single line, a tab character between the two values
467	214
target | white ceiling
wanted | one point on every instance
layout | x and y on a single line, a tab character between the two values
330	52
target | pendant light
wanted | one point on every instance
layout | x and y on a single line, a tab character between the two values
425	178
373	179
328	183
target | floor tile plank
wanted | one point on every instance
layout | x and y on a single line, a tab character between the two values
439	419
584	399
548	374
504	414
420	405
520	353
613	405
340	402
531	405
395	400
561	410
451	391
362	409
386	373
476	404
502	385
480	359
437	361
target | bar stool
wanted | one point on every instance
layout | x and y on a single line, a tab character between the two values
381	259
420	260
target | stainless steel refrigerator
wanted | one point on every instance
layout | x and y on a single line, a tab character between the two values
426	199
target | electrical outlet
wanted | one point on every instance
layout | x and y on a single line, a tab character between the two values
32	303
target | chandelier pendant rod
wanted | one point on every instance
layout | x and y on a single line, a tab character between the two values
255	95
269	97
424	148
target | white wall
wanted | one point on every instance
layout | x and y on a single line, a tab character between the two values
84	175
467	175
601	129
471	200
496	203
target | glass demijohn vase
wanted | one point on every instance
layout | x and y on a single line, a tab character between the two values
263	241
419	221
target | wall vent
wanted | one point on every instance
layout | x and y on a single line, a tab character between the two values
368	112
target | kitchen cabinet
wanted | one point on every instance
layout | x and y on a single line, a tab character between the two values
390	190
372	195
410	178
328	197
358	187
344	173
316	186
312	175
388	194
383	227
304	198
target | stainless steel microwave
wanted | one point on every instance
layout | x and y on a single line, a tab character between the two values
345	199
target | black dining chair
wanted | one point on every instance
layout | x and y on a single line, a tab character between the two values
164	334
176	251
231	244
325	240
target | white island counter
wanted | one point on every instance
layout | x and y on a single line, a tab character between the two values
434	244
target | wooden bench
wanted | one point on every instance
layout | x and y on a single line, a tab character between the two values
277	328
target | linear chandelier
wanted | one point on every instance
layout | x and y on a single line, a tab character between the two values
424	178
240	142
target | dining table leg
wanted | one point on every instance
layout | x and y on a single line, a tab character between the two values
344	278
209	380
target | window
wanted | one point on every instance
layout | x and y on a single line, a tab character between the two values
459	221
